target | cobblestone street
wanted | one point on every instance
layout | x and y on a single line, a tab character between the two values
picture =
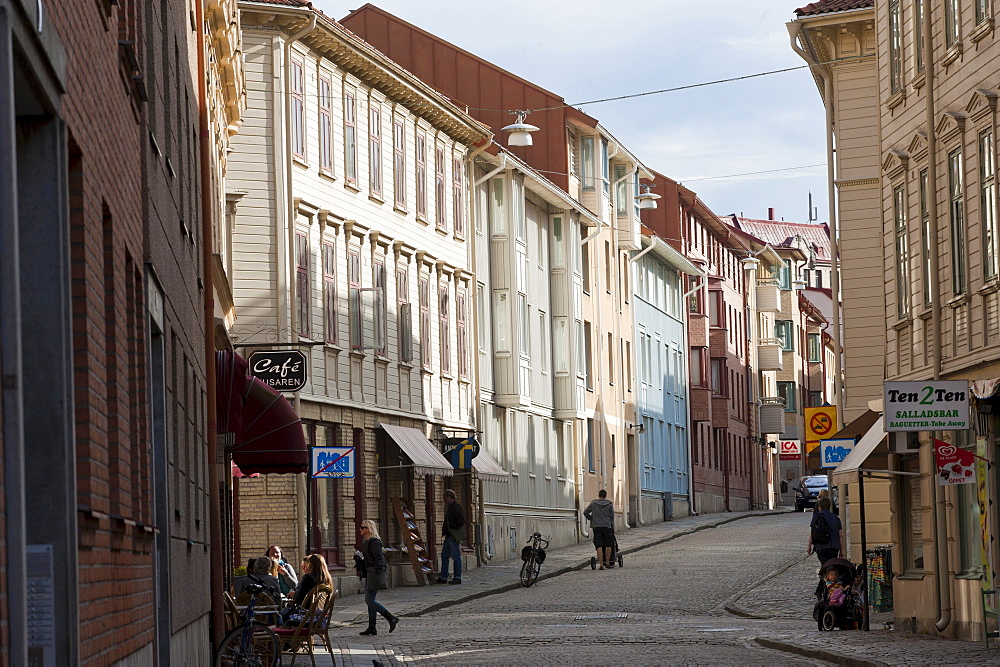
714	589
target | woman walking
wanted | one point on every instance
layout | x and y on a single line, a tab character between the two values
375	567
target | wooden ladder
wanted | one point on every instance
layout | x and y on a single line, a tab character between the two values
414	542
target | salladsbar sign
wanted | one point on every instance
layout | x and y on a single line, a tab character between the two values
927	406
285	370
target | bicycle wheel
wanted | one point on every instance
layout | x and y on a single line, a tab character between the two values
529	571
260	649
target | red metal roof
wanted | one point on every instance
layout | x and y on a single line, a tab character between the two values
779	233
832	6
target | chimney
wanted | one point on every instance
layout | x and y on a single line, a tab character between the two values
770	214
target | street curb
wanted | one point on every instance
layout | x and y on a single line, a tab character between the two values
437	606
815	653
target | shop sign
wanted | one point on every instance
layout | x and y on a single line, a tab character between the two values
331	462
833	452
789	450
284	370
927	406
954	465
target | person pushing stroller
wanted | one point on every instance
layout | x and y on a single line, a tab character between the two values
601	514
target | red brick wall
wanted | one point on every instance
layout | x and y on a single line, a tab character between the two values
115	565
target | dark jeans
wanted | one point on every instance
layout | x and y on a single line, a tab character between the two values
826	554
374	607
451	549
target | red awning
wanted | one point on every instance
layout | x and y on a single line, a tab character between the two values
237	473
267	434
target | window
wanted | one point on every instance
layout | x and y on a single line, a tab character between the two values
911	514
298	111
635	191
399	163
587	163
716	312
501	321
439	208
425	323
302	283
457	200
608	267
558	254
421	168
987	203
819	277
405	321
380	307
585	263
590	446
925	238
719	377
815	348
786	391
498	212
694	301
463	339
815	399
350	140
354	295
445	318
697	367
957	215
611	359
952	29
325	127
982	10
543	342
784	330
588	346
918	34
902	251
621	198
532	454
605	166
375	150
969	515
330	292
895	47
785	275
523	326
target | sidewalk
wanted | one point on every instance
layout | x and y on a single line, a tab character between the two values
504	575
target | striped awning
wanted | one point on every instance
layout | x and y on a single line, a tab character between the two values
426	459
487	467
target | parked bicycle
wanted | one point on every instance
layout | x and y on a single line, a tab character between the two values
252	643
533	556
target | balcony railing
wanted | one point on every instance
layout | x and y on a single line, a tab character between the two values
769	354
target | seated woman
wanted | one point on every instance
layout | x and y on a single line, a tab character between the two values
314	573
262	569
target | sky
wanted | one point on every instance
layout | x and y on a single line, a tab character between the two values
593	49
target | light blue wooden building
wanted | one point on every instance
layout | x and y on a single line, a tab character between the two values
660	464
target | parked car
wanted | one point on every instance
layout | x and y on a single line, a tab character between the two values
807	491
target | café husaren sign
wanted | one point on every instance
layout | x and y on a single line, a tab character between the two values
284	370
927	406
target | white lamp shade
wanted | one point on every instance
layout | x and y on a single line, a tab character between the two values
519	132
519	138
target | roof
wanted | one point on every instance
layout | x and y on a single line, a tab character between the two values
781	234
833	6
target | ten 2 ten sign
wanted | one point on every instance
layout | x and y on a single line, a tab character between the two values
927	406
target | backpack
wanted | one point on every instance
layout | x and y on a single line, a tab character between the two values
820	530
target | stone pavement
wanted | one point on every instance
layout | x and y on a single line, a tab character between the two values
505	575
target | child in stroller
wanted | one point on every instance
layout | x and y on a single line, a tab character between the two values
839	599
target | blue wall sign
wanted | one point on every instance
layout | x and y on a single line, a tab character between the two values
833	452
331	462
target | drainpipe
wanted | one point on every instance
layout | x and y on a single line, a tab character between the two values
481	551
211	452
940	516
703	280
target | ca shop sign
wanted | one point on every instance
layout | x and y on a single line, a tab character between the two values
927	406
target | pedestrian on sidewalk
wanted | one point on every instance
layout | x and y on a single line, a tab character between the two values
601	514
287	579
377	579
826	533
453	530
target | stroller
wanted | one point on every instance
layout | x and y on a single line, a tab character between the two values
616	556
840	605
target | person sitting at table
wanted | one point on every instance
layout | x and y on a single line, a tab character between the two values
260	568
314	573
285	572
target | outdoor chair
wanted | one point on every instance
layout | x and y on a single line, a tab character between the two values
232	614
318	607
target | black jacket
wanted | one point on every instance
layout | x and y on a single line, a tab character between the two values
454	522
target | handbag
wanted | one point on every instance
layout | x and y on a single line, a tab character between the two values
383	581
